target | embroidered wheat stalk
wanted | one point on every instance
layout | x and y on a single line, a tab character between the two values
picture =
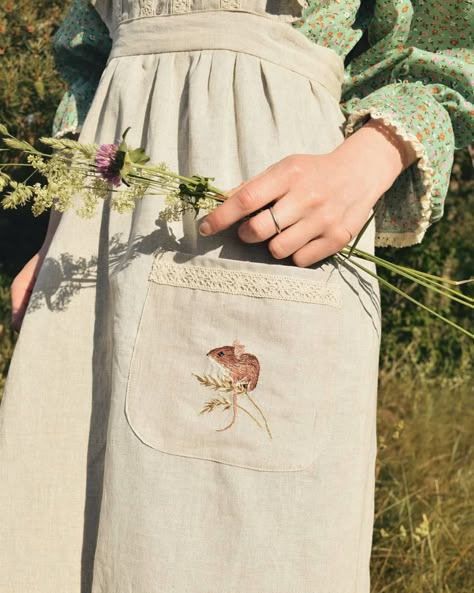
212	404
226	404
225	385
221	384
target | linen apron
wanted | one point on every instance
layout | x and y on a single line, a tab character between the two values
187	414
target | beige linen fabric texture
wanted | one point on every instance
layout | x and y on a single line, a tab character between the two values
111	479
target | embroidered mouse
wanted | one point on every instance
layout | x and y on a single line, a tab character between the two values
241	372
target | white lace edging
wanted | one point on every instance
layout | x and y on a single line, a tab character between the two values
146	7
411	238
240	282
231	4
396	239
68	130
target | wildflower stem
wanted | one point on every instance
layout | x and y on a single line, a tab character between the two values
343	259
211	189
363	229
415	277
440	279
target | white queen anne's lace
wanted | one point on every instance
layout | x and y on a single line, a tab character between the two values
240	282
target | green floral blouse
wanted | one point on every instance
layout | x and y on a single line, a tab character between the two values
409	63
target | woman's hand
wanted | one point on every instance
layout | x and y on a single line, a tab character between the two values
321	202
22	287
23	283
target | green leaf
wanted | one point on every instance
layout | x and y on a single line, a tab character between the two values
123	145
124	135
138	156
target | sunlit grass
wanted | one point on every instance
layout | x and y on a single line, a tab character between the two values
424	521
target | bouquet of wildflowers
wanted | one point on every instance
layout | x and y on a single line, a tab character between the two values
81	175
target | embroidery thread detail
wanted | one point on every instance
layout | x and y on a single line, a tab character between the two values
146	7
240	282
117	10
180	6
230	4
241	377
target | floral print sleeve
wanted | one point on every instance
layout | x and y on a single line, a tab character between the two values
411	64
81	47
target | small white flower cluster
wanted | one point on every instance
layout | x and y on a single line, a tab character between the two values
67	182
124	200
4	181
176	205
72	181
75	180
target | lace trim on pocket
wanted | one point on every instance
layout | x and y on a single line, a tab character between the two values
240	282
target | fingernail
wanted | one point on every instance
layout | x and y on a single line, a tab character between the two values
205	228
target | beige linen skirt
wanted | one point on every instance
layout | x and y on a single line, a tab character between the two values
186	414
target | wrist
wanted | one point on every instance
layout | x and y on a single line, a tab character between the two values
374	156
399	150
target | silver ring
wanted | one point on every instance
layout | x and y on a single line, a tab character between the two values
277	226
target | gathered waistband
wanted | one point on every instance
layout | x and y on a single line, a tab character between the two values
258	35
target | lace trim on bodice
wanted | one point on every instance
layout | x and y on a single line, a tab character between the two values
113	12
146	7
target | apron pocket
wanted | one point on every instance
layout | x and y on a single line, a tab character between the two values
235	362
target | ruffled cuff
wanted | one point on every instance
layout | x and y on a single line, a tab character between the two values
416	198
66	119
81	47
74	106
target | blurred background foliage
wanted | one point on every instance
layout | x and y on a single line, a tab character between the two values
424	517
30	91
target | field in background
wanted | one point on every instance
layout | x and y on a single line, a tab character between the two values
424	523
424	518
